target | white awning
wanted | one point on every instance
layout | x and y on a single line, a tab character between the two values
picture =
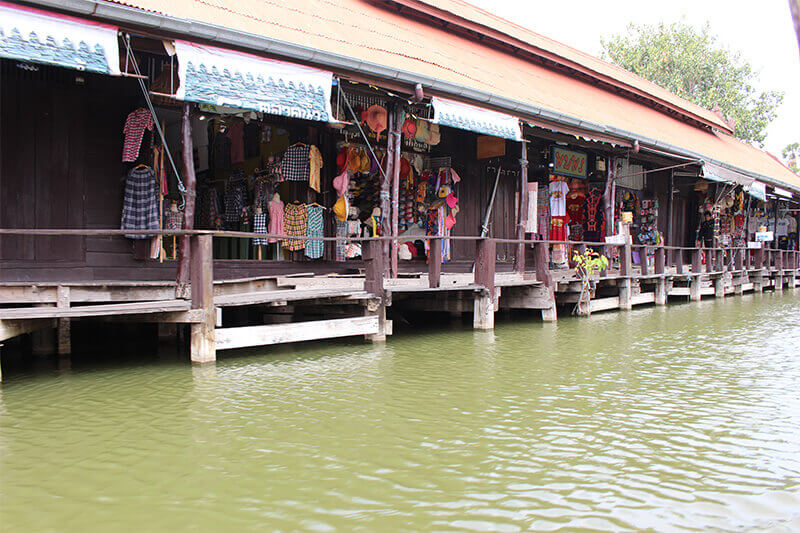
471	118
216	76
714	172
757	190
782	192
36	36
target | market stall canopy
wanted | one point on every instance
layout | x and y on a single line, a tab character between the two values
757	190
472	118
714	172
216	76
42	37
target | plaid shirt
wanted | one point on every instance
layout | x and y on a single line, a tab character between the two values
259	226
173	219
296	164
314	228
135	125
140	207
295	223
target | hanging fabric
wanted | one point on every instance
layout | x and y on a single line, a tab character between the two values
259	226
140	207
295	223
137	121
315	227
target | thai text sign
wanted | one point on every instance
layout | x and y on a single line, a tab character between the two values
569	163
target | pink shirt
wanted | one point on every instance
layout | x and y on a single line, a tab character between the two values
275	218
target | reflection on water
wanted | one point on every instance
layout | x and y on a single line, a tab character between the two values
679	418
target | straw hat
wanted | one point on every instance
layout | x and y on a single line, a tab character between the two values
376	118
365	162
341	182
340	208
435	135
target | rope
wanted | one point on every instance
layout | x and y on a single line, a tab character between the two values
135	65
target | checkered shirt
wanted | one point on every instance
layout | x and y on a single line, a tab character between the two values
296	163
140	207
260	226
133	130
295	223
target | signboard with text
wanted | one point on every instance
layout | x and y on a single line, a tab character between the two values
569	163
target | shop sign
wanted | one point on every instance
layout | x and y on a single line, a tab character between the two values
764	236
753	245
569	163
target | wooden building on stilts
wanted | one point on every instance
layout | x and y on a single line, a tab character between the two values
248	177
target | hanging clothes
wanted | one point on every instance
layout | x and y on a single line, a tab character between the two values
236	135
341	231
295	223
235	197
135	124
252	139
315	166
276	214
160	168
140	206
173	219
296	163
314	228
259	226
222	152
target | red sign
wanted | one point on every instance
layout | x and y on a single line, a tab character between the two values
569	163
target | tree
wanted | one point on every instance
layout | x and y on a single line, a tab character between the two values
692	64
791	155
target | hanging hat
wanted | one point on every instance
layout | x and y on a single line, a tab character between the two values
365	163
340	208
353	160
456	178
417	163
435	135
341	183
376	118
409	128
341	159
423	132
451	200
449	221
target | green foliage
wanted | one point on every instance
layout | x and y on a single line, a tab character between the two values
588	263
692	64
791	156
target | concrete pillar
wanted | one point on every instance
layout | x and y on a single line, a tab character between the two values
625	294
661	291
779	281
483	312
719	287
695	284
375	307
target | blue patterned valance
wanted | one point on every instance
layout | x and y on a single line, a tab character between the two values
216	76
471	118
37	36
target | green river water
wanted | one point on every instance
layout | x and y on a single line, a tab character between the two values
671	419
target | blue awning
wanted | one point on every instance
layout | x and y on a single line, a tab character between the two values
36	36
220	77
476	119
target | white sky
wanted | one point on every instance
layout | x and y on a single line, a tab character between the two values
761	30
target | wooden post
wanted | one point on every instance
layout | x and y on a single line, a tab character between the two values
485	257
386	194
435	263
696	260
541	258
184	250
661	291
643	261
203	344
660	260
373	268
64	341
679	261
625	260
396	145
719	286
738	259
625	294
522	215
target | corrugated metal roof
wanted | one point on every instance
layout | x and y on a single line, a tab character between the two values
367	32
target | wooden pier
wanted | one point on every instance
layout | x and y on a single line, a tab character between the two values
227	313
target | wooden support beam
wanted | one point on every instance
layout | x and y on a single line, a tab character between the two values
719	287
12	328
660	260
376	308
189	181
738	260
625	260
373	268
395	142
541	255
643	261
485	259
522	211
695	287
678	254
434	263
202	343
243	337
696	261
63	334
